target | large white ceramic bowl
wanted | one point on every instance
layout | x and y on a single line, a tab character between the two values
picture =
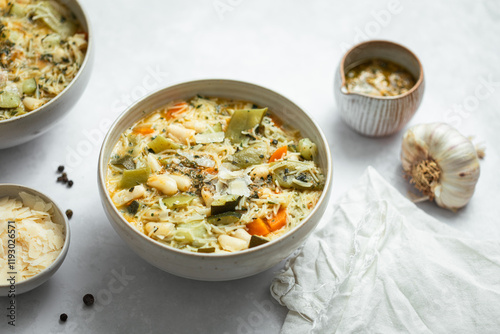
19	130
216	267
58	217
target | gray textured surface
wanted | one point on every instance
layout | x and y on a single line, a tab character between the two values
293	47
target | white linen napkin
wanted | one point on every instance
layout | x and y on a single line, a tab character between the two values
379	264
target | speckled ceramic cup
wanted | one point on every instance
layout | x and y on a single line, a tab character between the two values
216	267
372	115
58	217
19	130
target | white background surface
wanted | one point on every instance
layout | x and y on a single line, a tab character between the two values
290	46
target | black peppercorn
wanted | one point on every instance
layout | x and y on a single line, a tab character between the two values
70	183
60	169
69	213
63	317
88	299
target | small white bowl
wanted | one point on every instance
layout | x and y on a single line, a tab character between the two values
378	116
19	130
216	267
58	217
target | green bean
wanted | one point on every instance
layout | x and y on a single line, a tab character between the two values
134	177
243	120
251	155
178	200
160	144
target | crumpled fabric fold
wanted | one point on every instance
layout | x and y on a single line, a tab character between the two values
379	264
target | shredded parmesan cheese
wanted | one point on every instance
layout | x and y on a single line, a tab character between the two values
38	240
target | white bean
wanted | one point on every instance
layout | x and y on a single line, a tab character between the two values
59	54
163	183
232	244
160	230
207	196
183	182
242	234
195	125
124	196
153	163
31	103
181	133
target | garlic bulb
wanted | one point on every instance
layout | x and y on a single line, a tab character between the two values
441	162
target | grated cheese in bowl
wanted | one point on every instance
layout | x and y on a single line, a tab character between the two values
38	240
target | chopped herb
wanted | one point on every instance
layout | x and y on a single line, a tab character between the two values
133	207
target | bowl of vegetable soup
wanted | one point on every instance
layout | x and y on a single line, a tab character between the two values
214	179
45	55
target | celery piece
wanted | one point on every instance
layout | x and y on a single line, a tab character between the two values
243	120
63	25
178	201
17	10
29	86
134	177
9	100
307	149
160	144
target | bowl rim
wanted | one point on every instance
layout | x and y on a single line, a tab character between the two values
86	60
380	41
102	177
67	235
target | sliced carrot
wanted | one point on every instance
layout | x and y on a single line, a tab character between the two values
175	110
257	227
278	221
143	130
211	170
278	154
